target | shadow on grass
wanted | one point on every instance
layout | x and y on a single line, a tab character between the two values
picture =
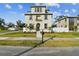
33	47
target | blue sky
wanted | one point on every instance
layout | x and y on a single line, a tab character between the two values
12	12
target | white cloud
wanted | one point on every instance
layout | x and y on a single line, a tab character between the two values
66	10
73	10
53	4
49	4
55	14
74	3
8	6
20	7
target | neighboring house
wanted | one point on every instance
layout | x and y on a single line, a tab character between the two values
38	18
15	28
66	24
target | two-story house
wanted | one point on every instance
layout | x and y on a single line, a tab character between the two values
38	18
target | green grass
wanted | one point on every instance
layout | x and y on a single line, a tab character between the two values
3	31
63	35
18	34
50	43
57	35
61	43
19	42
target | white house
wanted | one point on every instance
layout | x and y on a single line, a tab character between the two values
66	24
38	18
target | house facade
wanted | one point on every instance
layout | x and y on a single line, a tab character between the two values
67	24
38	18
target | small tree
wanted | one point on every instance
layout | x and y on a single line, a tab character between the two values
11	25
2	23
20	24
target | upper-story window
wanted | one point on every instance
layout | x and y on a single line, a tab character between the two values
46	17
38	9
35	9
38	17
30	17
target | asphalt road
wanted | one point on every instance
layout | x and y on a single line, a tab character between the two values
38	51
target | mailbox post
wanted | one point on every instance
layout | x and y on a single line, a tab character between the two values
42	35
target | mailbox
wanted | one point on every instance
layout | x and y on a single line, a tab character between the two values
42	32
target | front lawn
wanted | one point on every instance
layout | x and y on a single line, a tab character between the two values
50	43
63	35
18	34
3	31
19	42
57	35
61	43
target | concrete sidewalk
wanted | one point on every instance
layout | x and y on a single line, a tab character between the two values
8	32
20	38
33	38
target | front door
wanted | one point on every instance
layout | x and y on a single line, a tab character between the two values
38	27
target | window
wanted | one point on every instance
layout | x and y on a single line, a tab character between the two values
31	26
38	17
45	26
30	17
38	9
46	11
45	17
35	9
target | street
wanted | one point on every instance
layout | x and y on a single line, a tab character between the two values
38	51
